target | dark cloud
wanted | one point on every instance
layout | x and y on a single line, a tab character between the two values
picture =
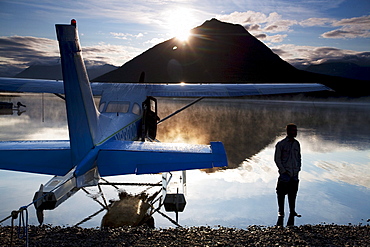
356	27
271	28
279	52
261	36
342	34
306	55
254	27
261	25
19	52
363	20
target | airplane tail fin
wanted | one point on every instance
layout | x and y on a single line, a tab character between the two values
81	111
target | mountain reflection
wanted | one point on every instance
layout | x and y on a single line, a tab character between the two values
248	126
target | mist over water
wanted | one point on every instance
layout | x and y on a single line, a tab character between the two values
248	126
334	182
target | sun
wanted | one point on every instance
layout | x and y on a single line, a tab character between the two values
180	21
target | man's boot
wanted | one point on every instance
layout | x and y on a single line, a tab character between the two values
291	218
280	221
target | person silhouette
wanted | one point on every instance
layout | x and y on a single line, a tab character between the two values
288	161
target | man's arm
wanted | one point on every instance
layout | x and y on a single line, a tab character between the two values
277	158
299	156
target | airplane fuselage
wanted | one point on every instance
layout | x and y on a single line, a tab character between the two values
121	114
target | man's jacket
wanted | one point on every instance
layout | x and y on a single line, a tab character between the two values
288	156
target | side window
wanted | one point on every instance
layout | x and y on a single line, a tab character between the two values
101	107
136	109
117	106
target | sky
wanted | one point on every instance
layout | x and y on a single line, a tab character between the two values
301	32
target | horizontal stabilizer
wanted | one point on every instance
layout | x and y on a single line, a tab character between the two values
118	158
44	157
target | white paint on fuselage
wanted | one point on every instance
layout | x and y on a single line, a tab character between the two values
119	125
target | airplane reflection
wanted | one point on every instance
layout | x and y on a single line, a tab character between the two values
8	108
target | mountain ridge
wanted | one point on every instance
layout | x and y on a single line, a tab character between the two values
342	69
54	72
242	58
220	52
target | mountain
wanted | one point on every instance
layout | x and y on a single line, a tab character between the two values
221	52
342	69
54	72
216	52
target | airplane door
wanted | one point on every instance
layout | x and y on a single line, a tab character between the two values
150	118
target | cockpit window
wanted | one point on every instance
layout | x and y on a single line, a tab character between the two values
101	107
118	106
136	109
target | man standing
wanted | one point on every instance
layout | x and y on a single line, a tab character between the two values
288	161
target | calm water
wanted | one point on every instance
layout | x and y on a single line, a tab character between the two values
335	177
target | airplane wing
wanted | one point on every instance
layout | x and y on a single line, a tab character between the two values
113	158
231	90
164	90
31	85
44	86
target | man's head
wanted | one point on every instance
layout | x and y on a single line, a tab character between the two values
291	130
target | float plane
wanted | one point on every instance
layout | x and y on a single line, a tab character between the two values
116	138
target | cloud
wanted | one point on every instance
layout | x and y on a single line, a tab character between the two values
154	13
111	54
346	33
257	21
276	38
316	22
126	36
155	41
306	55
363	21
356	27
17	49
19	52
260	25
254	27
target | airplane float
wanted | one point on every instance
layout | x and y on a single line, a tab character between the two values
118	137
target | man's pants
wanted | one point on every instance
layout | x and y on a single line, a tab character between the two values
289	188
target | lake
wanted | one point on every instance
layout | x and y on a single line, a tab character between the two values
334	181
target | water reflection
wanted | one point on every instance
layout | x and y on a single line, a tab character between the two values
335	181
248	126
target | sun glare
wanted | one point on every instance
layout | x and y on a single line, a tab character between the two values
180	22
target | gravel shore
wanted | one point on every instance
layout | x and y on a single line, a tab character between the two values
305	235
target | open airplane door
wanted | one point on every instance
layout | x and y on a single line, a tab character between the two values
150	118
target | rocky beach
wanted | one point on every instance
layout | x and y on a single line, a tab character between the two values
304	235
